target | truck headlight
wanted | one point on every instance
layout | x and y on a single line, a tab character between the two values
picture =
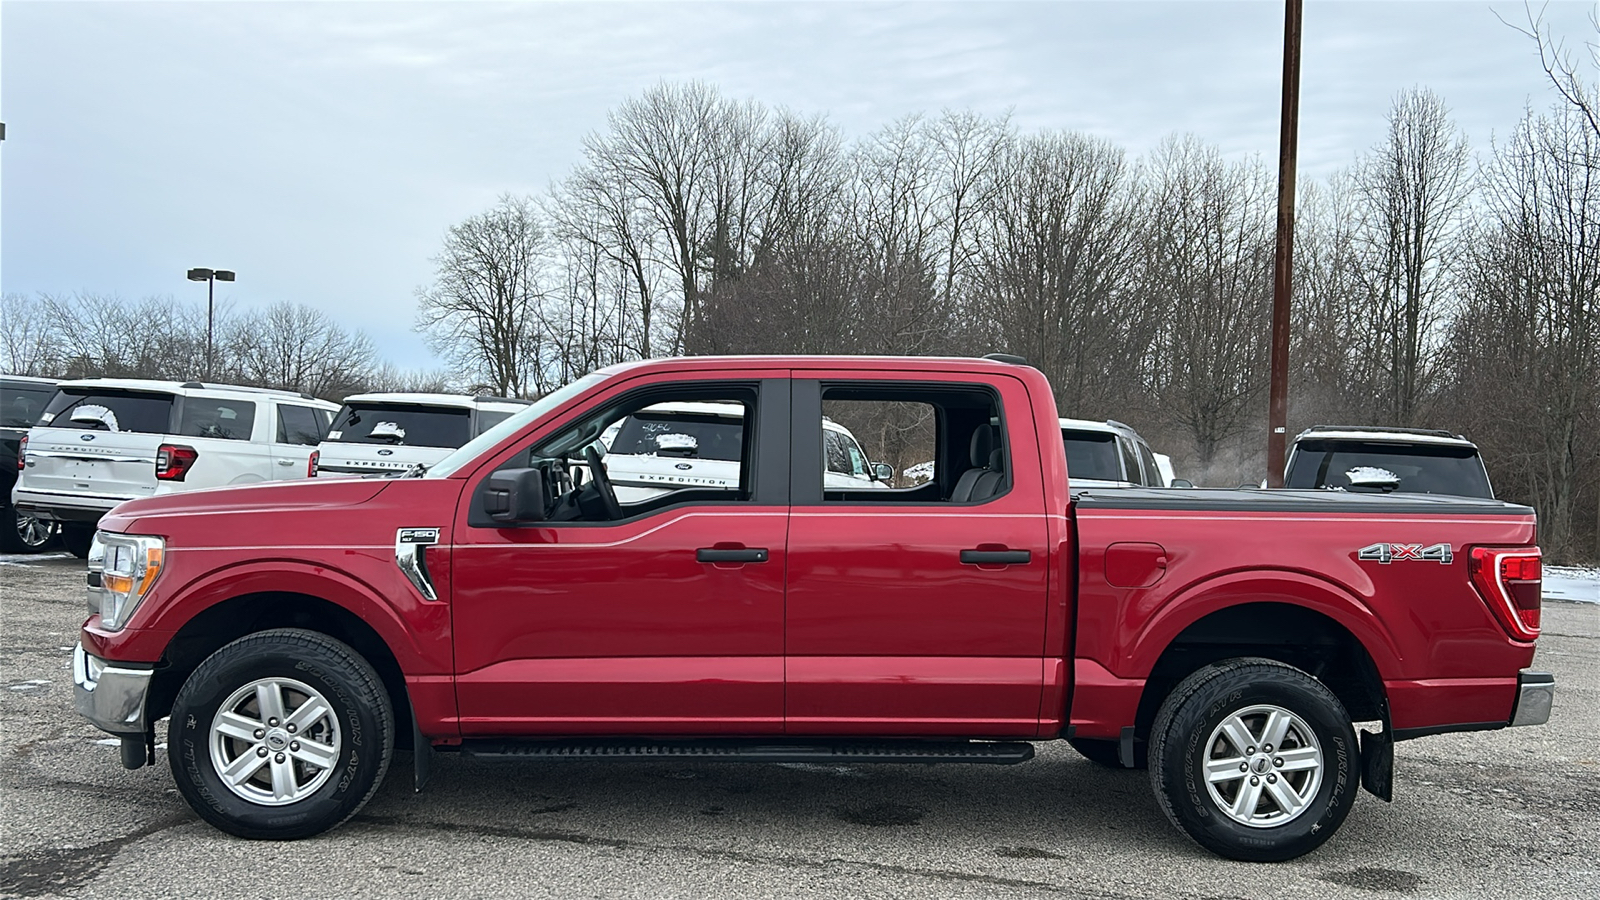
122	567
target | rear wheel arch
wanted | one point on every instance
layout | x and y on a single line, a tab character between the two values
1305	638
222	623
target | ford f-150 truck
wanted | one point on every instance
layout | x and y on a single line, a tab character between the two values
506	604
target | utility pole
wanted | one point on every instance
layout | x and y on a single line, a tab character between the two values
1283	256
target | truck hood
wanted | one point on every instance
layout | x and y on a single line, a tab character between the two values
279	496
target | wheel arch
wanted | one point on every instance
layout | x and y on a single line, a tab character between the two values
226	621
1313	639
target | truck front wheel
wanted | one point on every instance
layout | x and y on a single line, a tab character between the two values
280	734
1254	759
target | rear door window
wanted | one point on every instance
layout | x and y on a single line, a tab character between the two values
207	417
392	424
109	410
1152	472
1092	454
301	424
21	405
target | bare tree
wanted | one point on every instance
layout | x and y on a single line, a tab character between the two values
290	346
481	312
1527	342
1208	264
1414	190
30	341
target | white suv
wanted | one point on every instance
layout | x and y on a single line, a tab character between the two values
1401	460
391	432
101	441
674	445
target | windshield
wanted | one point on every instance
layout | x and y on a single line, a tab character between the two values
394	424
486	441
108	410
1092	454
1421	468
690	435
21	405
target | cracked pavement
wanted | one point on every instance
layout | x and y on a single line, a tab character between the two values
1512	813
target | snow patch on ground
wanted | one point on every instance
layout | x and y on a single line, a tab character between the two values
1579	584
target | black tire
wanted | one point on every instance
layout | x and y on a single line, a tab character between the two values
363	734
1107	752
22	533
1186	735
77	538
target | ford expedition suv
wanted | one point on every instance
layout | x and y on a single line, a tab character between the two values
498	606
101	441
389	433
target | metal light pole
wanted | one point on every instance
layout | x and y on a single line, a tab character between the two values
1283	257
210	277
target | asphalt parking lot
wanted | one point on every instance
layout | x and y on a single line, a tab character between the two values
1513	813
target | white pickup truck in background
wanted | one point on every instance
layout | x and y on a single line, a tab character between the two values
105	440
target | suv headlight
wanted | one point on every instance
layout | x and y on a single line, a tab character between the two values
122	567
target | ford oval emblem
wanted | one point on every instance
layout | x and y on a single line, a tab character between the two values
684	466
385	452
86	437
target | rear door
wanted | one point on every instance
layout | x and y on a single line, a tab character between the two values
99	443
910	611
297	431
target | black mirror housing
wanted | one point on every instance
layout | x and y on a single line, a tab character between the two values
514	496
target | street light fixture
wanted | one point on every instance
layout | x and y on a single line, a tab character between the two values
210	277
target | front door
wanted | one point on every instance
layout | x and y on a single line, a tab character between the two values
665	620
917	606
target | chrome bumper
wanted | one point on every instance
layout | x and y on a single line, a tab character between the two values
109	695
1536	692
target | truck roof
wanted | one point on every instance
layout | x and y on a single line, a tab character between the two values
905	363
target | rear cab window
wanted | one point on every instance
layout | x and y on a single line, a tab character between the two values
90	409
411	425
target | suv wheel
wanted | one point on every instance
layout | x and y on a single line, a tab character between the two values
1254	760
22	533
280	734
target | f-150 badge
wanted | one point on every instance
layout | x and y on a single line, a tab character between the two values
1388	553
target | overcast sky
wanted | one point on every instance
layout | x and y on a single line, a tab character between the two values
322	149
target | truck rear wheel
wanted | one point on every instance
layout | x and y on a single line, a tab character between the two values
1254	759
281	734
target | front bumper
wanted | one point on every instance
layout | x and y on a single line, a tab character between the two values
111	695
1536	693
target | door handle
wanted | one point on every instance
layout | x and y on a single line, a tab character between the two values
738	555
285	462
996	557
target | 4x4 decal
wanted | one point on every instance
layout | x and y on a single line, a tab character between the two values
1387	553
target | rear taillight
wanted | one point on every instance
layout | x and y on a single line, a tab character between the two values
1509	580
22	453
311	463
173	461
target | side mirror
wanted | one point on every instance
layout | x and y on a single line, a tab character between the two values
514	496
1182	483
882	472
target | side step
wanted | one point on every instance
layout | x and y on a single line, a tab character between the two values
763	750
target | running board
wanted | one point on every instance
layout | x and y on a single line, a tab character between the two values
758	750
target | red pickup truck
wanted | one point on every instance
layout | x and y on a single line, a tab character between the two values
505	603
